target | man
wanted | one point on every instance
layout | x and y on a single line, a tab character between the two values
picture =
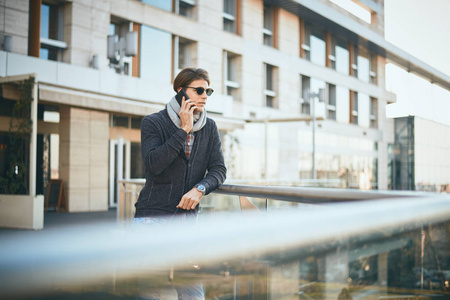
182	153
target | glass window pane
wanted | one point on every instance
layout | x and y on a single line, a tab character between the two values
156	61
162	4
120	121
229	7
318	51
268	18
342	60
363	69
269	74
45	20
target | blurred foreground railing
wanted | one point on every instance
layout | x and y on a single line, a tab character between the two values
129	193
349	245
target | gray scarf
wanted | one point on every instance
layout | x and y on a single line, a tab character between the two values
173	109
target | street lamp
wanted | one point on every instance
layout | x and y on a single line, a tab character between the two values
311	97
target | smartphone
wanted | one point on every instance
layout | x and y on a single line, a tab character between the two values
180	95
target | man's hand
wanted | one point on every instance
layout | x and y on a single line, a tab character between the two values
191	199
187	114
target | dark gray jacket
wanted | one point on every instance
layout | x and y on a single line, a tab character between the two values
169	173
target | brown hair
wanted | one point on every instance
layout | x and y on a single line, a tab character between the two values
187	75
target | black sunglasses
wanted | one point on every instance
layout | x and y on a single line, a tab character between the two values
201	90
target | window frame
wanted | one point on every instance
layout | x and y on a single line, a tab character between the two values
48	43
270	86
231	87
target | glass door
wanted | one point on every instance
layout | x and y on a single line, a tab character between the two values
119	167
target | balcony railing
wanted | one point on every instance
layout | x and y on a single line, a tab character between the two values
293	243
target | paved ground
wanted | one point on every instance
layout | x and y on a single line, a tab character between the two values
54	220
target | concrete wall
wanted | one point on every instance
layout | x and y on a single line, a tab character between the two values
14	22
25	212
84	136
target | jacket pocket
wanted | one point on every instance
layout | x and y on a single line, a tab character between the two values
160	194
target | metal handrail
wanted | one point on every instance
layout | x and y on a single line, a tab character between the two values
311	194
92	252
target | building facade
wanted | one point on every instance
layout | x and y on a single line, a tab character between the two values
299	98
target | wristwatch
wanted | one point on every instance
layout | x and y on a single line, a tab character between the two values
201	188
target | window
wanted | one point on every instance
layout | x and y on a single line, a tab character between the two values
331	105
165	5
270	85
125	121
373	112
268	28
155	58
342	57
231	67
307	41
314	45
363	65
373	69
52	32
318	48
354	60
185	8
305	100
184	53
332	55
229	15
353	107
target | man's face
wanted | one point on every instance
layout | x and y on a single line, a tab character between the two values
200	100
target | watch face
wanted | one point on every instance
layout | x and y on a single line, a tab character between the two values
201	188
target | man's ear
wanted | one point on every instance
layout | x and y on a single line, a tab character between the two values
179	89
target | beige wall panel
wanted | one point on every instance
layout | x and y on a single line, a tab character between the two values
288	91
22	5
2	19
81	16
80	155
289	33
98	200
211	14
99	177
80	132
78	199
252	20
14	22
134	10
100	22
118	7
86	2
79	175
81	38
104	5
99	153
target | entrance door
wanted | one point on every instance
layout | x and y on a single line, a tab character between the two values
119	167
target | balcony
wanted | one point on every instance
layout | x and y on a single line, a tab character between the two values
251	242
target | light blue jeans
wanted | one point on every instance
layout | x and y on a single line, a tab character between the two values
192	291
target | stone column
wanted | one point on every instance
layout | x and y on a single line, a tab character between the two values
84	136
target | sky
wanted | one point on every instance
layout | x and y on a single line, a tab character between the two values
421	28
